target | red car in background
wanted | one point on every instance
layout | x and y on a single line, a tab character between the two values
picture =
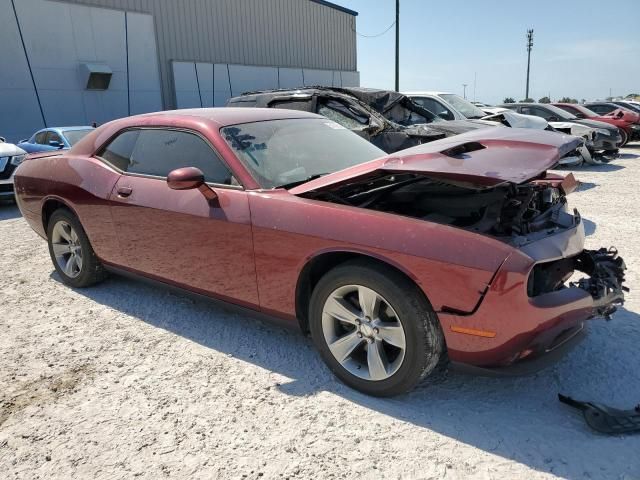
457	250
627	121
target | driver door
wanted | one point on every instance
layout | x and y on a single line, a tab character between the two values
176	236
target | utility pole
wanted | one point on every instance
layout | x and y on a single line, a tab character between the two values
475	77
397	45
529	45
464	86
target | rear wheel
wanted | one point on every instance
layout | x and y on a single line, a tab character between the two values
70	250
374	328
625	137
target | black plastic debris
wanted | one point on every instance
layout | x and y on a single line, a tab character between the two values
606	419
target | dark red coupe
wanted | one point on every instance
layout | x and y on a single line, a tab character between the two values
458	250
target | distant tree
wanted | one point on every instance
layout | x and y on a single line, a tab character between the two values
527	100
509	100
632	95
544	100
584	100
568	100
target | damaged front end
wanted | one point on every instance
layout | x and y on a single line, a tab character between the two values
604	271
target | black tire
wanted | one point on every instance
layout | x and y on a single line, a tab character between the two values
625	138
91	271
425	344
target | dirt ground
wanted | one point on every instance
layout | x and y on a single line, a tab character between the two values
123	380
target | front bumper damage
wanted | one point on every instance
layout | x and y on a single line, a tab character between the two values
523	332
605	282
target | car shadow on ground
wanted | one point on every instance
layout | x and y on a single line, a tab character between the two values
589	227
8	210
516	418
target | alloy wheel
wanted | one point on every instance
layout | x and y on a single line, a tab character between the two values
363	332
67	249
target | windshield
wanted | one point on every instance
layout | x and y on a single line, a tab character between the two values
74	136
466	108
284	153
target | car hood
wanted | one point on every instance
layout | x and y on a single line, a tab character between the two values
596	124
10	150
518	120
479	159
456	127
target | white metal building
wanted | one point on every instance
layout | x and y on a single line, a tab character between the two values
74	62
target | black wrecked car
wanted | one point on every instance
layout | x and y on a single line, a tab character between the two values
390	126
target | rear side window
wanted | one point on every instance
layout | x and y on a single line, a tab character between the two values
40	138
118	152
157	152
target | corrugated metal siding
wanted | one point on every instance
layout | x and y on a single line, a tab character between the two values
297	33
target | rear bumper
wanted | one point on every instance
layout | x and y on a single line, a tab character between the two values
509	326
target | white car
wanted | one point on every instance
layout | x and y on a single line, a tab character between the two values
10	157
448	106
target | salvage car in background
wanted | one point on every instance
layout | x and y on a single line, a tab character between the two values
448	106
345	110
401	109
10	157
393	263
628	122
49	139
605	138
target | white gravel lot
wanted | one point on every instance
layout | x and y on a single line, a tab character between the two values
123	380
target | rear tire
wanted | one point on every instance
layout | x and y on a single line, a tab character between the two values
71	252
384	348
625	138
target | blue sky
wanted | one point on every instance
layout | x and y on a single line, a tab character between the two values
581	48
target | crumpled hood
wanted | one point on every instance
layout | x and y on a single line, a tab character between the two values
517	120
479	159
456	127
575	128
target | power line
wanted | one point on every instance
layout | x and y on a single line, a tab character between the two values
377	34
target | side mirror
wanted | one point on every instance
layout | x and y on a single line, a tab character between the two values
56	144
189	178
553	119
580	115
620	114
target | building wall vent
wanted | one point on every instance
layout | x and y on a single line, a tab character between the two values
96	76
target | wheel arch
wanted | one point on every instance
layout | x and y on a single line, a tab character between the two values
321	263
50	205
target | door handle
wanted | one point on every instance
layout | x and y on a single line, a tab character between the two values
124	191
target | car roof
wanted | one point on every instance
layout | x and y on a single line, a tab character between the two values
224	116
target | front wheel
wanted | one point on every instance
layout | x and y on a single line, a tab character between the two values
70	250
374	328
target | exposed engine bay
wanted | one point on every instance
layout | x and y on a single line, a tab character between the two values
508	211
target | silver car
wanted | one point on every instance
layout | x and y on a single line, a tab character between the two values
10	157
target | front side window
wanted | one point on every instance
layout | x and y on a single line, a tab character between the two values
434	106
157	152
41	138
284	153
53	137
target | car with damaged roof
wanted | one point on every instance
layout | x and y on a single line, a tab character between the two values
353	109
459	251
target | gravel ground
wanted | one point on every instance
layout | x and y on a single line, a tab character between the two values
123	380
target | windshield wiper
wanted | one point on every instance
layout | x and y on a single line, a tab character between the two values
287	186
